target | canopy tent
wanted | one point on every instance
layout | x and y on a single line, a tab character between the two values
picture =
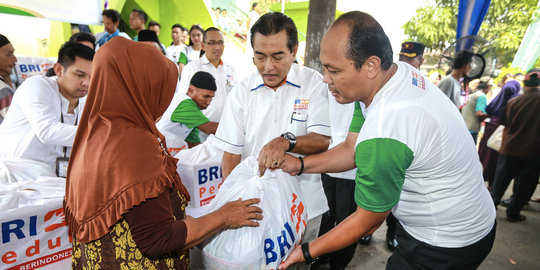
529	49
73	11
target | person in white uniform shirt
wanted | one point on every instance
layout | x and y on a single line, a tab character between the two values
42	121
281	108
177	51
213	46
413	153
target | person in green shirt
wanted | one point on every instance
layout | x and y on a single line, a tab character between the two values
183	119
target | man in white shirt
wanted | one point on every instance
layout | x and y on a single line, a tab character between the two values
177	51
211	62
111	21
281	108
42	121
413	155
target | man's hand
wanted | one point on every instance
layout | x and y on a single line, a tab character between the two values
295	257
291	165
272	154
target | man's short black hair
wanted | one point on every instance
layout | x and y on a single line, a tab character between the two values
70	50
366	38
111	14
274	22
80	37
142	15
154	23
254	5
462	58
209	29
179	26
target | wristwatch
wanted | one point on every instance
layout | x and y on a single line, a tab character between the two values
305	252
291	138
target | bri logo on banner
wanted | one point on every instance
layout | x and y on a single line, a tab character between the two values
35	240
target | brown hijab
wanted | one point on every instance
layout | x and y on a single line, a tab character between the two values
117	161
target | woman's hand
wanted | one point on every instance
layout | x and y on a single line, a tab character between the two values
241	213
295	257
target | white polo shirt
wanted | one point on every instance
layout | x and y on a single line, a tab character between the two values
32	128
225	80
414	155
255	114
174	51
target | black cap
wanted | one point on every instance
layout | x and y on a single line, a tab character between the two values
3	40
532	78
412	49
203	80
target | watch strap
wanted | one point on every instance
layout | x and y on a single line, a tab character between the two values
305	252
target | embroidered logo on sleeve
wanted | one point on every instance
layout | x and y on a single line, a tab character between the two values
418	80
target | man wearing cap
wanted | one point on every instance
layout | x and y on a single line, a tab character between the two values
181	122
474	112
7	62
412	53
519	157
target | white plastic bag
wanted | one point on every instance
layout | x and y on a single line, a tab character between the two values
280	231
495	140
13	170
200	170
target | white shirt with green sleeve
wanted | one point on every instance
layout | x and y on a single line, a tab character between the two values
414	155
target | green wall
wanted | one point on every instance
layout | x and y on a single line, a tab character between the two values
298	11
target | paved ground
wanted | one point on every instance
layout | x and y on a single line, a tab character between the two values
517	245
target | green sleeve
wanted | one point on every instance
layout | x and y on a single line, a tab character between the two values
182	59
189	114
358	118
193	136
381	166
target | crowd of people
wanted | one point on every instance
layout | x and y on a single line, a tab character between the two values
370	140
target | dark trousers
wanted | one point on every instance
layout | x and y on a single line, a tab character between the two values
525	171
340	195
411	254
391	222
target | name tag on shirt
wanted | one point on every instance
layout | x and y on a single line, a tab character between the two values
62	166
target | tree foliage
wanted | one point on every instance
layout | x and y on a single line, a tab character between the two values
504	25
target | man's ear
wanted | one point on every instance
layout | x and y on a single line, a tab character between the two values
373	65
294	51
58	69
190	90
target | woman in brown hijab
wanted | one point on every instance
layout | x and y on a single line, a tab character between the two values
124	201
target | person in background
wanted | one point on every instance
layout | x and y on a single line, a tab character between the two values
213	46
412	53
519	158
283	107
150	37
183	118
450	85
85	39
154	26
446	216
495	110
42	121
111	21
474	112
137	21
177	51
7	87
122	191
195	42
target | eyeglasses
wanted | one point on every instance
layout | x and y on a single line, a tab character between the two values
213	42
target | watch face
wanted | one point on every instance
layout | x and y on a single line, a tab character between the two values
289	136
